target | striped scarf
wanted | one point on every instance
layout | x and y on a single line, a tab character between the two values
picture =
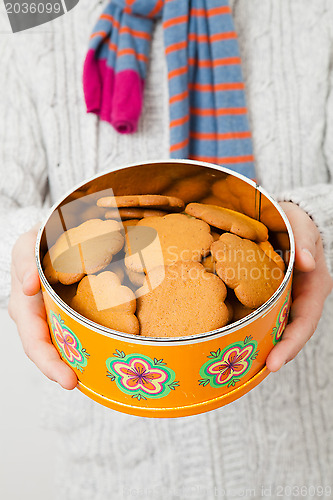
208	115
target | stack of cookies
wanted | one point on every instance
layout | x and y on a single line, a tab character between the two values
160	268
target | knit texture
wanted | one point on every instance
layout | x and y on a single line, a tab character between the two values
208	114
279	434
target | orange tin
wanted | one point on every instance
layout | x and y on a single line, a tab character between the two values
186	375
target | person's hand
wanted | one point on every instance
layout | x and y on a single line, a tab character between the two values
26	308
312	284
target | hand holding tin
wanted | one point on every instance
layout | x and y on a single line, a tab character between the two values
312	284
27	309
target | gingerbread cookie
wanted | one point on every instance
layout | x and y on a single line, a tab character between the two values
216	235
82	250
270	252
187	301
130	222
133	213
117	268
228	220
135	278
209	263
170	203
245	267
65	292
239	310
165	240
230	311
104	300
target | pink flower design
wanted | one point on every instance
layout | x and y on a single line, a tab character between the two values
233	364
140	376
67	342
226	367
281	321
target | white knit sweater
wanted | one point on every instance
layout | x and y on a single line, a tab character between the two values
279	435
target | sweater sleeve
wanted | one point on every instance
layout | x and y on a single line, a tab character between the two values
23	179
317	200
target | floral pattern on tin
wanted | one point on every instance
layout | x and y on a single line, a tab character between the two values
281	321
227	367
68	344
140	376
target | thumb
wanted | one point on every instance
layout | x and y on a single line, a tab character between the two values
31	283
306	236
24	264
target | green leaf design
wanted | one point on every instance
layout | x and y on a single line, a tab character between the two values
215	354
204	381
119	354
247	339
254	355
159	362
233	382
173	385
138	397
111	376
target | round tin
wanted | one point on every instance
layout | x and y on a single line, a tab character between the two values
168	377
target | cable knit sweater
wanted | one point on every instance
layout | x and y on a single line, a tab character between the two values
279	435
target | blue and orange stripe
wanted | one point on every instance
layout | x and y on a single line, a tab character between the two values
208	113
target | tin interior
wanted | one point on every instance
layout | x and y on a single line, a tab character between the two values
235	192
